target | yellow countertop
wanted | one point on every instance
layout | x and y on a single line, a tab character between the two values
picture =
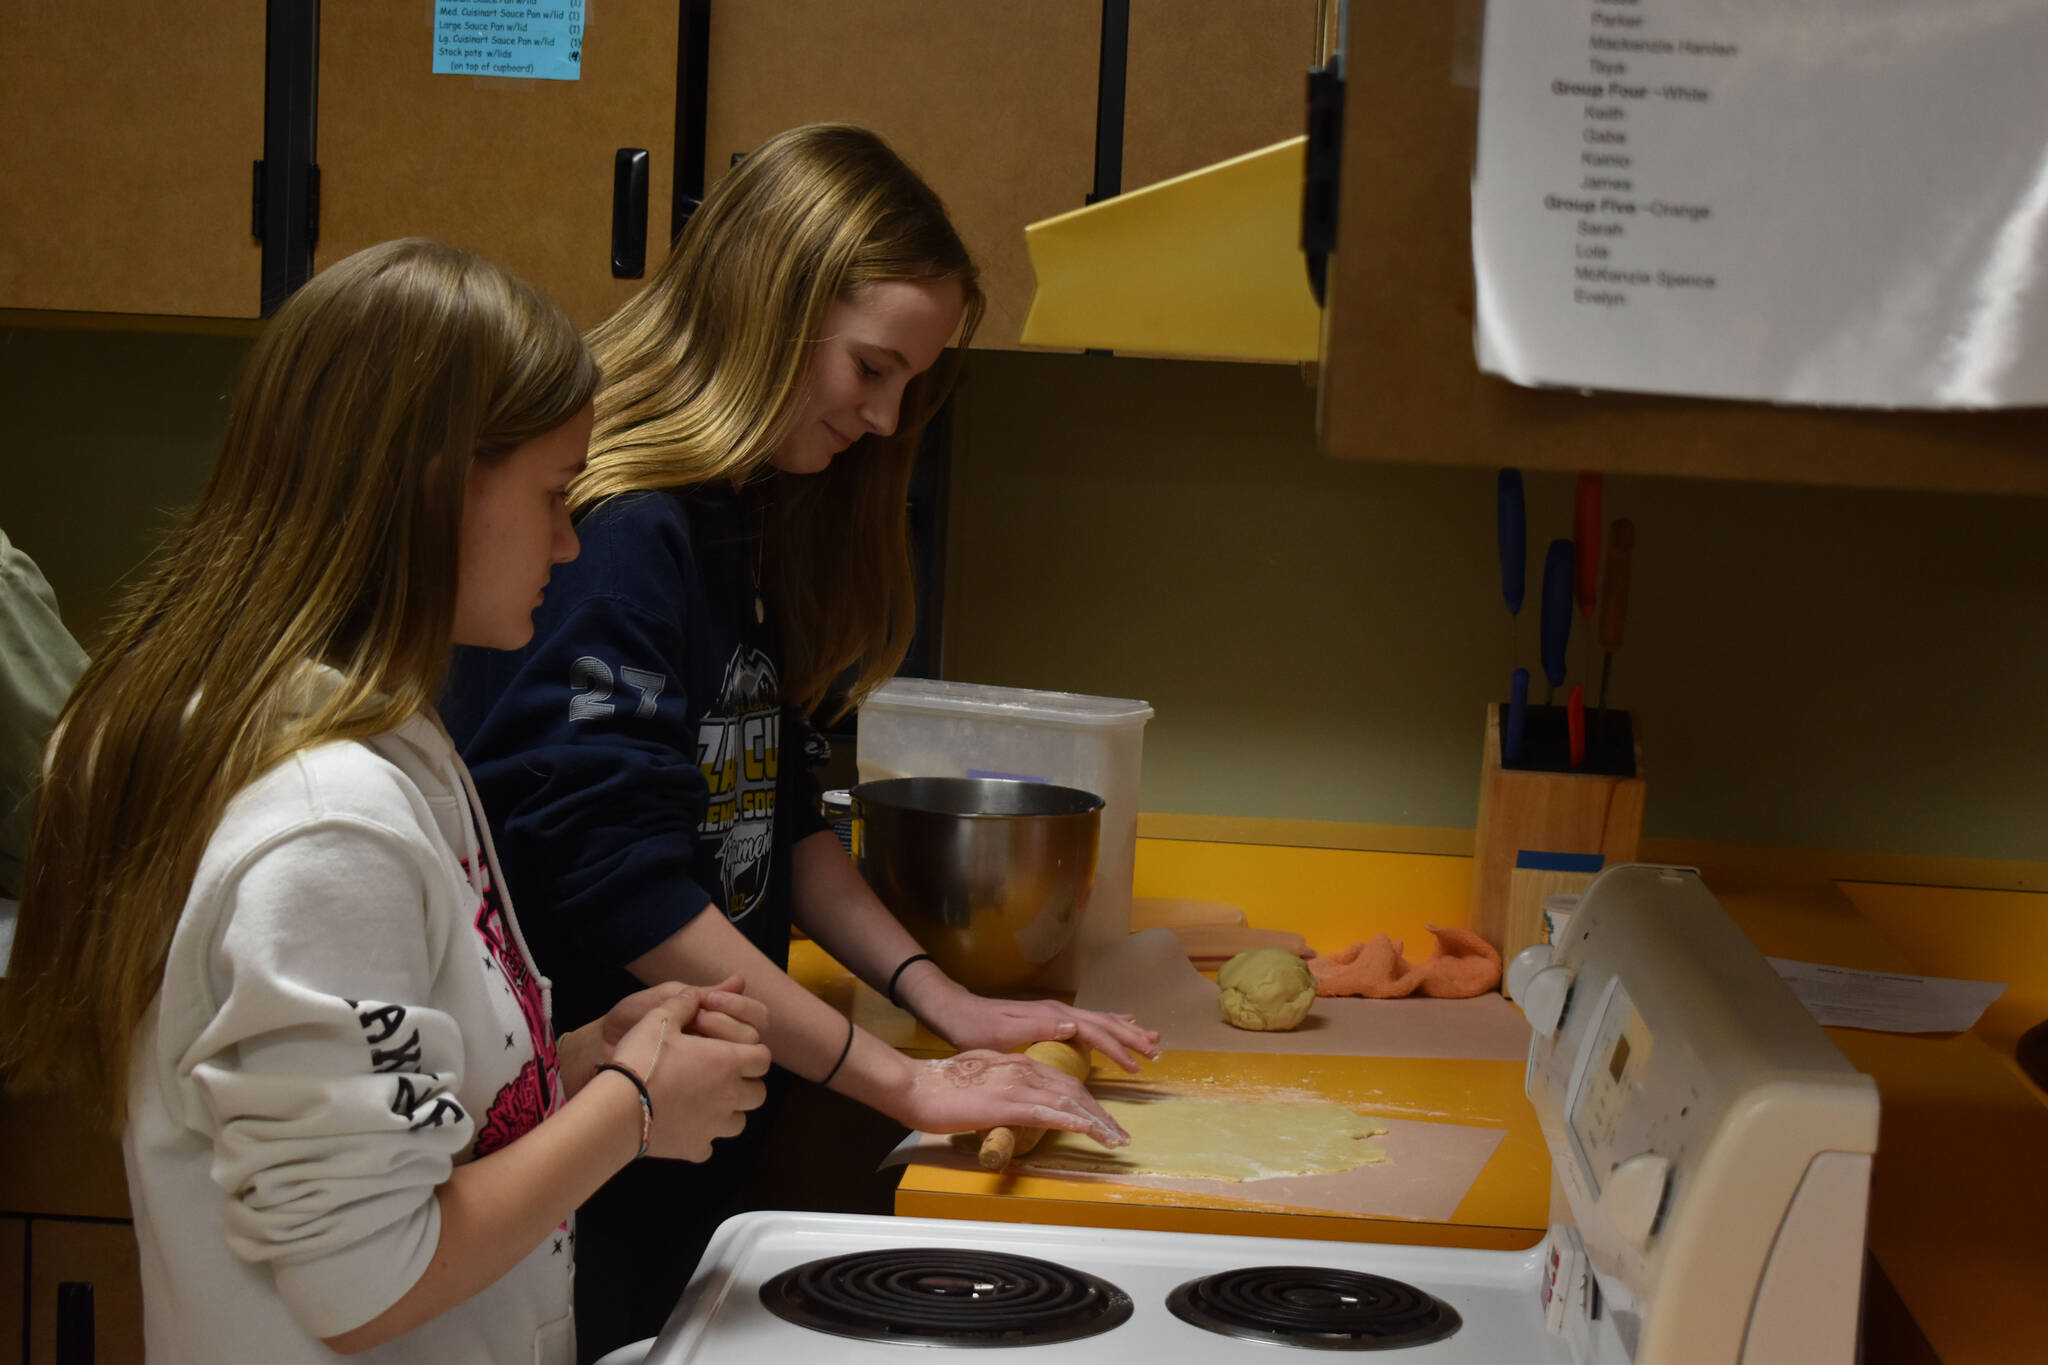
1333	897
1960	1190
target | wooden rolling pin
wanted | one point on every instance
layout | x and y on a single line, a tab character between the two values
1000	1144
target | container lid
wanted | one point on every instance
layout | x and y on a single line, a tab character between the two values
1006	703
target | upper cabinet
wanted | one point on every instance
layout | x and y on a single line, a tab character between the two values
992	102
135	130
132	130
520	169
1400	381
1213	79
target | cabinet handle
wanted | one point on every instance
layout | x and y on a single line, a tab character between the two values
75	1344
1320	176
693	81
629	213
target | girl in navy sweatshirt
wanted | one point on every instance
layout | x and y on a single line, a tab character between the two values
648	757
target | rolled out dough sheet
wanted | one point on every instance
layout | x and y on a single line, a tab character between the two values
1218	1140
1148	974
1429	1167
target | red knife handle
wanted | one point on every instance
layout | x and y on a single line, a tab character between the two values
1621	553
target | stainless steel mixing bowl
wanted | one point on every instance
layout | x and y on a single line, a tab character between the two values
989	876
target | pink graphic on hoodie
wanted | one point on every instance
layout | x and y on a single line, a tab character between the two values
535	1092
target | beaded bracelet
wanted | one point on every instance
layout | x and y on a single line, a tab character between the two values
897	974
842	1054
646	1104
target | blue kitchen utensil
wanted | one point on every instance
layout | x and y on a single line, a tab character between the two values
1518	717
1557	611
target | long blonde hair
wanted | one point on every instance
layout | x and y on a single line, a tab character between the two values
327	532
704	372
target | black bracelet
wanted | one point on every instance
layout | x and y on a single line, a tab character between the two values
898	973
646	1104
842	1053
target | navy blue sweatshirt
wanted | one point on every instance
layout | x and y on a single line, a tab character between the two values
636	759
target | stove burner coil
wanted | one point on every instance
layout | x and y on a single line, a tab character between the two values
1332	1310
946	1296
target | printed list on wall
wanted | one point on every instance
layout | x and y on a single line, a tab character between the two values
525	41
1808	201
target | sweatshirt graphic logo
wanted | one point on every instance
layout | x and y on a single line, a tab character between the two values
522	1102
739	748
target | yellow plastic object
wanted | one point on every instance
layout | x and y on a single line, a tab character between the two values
1206	264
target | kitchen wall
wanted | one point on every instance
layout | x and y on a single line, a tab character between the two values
1821	668
102	435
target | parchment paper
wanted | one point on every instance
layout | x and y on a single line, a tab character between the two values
1429	1168
1148	974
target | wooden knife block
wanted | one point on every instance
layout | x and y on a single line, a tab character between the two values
1546	827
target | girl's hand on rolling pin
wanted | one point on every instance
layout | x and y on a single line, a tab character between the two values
699	1088
967	1020
971	1091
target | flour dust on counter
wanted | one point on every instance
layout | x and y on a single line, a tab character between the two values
1220	1140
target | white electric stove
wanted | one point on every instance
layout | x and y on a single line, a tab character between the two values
1711	1158
1041	1293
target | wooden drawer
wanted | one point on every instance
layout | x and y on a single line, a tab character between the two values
57	1161
84	1286
13	1269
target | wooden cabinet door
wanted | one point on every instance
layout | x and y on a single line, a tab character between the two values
57	1159
517	169
1211	79
101	1255
13	1271
1400	381
993	103
132	130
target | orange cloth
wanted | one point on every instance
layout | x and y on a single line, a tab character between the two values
1465	964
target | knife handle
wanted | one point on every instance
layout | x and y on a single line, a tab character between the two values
1621	553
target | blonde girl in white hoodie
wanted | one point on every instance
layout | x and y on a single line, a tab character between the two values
263	924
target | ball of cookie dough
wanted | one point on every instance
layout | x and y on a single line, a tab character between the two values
1267	989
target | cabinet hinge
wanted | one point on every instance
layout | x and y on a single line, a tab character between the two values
1320	175
258	199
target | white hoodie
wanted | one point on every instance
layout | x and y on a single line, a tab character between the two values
348	1012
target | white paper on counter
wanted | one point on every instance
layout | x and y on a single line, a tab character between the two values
1430	1168
1890	1002
1811	201
1148	974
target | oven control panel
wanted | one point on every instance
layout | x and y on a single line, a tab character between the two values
1683	1092
1630	1104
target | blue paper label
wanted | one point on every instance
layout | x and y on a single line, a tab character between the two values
529	41
1535	860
